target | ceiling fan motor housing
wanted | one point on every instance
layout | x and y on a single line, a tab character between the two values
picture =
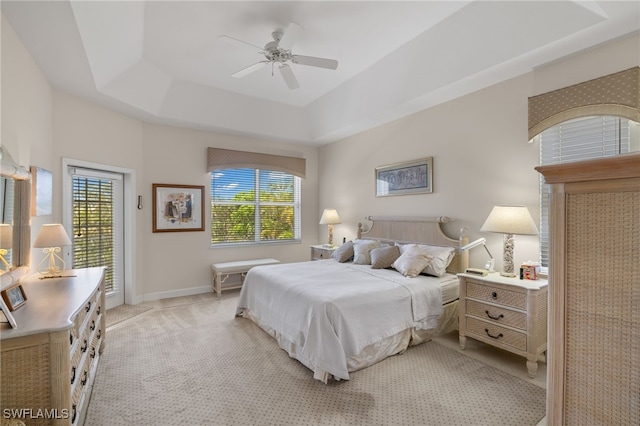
273	53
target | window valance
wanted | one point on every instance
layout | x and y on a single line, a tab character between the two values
227	158
615	94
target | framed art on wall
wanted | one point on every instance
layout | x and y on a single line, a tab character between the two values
411	177
42	191
178	208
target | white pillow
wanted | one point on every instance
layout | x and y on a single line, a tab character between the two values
442	257
362	251
412	261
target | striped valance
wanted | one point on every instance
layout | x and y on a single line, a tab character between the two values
218	158
615	94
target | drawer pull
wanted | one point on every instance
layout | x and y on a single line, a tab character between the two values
499	317
98	311
493	337
73	416
73	374
86	345
88	308
93	352
70	339
84	378
494	295
99	333
93	325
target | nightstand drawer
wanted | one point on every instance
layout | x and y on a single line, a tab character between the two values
485	331
497	295
497	315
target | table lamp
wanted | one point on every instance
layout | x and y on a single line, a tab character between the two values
510	220
50	238
330	217
6	242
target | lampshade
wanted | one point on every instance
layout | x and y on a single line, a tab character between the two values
6	236
510	220
329	217
52	235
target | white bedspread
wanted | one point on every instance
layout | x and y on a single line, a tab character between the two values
331	310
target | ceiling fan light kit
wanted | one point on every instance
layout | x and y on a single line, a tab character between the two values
278	52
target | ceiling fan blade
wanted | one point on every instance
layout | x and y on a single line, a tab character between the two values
238	42
290	36
313	61
248	70
289	77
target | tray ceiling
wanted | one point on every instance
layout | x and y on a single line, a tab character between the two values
163	61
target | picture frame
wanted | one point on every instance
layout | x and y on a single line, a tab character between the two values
42	191
178	208
14	297
406	178
4	311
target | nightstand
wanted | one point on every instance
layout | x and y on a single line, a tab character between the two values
321	252
507	313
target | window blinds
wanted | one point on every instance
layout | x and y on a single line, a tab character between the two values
580	139
97	223
250	205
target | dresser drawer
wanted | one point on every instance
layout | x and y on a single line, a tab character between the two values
483	330
497	295
497	315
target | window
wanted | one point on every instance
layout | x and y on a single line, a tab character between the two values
97	223
575	140
250	206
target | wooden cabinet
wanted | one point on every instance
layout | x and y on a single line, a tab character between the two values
594	341
321	252
50	359
508	313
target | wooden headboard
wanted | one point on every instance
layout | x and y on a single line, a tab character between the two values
421	230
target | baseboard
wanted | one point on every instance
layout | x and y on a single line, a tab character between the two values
175	293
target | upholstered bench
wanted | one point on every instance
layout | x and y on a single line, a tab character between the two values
218	270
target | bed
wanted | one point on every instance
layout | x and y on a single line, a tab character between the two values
340	315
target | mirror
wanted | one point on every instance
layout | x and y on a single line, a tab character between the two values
15	190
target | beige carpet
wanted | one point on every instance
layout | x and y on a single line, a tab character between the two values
196	364
124	312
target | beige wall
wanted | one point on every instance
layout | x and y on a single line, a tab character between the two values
479	145
27	118
480	151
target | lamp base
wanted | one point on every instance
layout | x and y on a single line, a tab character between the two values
507	274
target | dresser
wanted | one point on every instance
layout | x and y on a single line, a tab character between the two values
49	361
507	313
593	374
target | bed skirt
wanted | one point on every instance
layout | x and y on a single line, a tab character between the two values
378	351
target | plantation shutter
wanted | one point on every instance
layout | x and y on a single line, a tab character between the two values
580	139
97	223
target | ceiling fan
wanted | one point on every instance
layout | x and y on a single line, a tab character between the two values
278	53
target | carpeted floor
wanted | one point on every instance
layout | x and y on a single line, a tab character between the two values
195	364
124	312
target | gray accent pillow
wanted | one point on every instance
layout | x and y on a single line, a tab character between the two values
383	257
344	252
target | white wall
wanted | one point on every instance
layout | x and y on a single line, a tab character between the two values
480	151
26	114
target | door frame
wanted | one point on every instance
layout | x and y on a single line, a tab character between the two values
128	216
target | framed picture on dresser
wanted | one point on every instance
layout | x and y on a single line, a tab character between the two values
14	297
6	313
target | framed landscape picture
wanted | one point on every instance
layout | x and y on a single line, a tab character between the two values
412	177
178	208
